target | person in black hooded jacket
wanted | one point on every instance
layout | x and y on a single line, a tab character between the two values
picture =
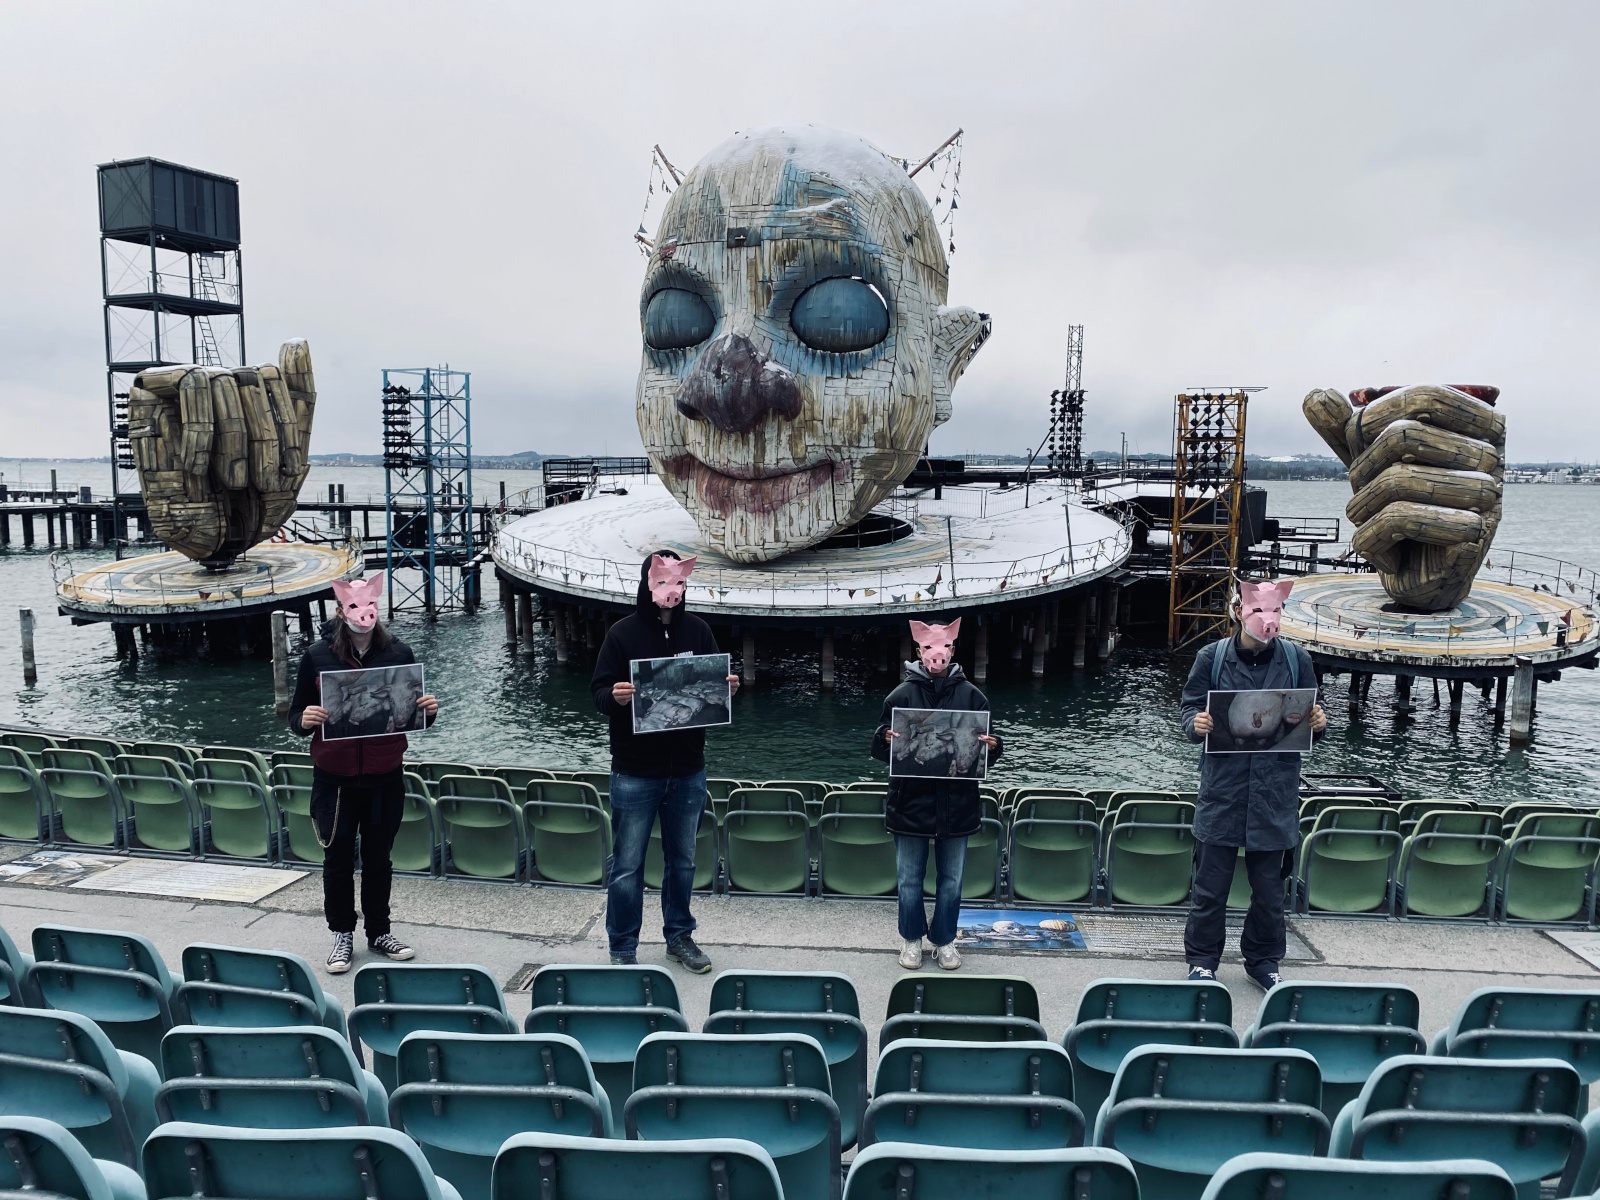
943	812
653	774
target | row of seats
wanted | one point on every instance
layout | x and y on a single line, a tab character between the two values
207	1163
1362	850
1152	1069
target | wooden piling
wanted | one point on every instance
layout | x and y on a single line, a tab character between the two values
30	668
27	531
1458	688
1522	684
508	610
1080	632
748	657
1107	640
524	621
1041	641
558	624
980	653
1402	696
827	661
280	662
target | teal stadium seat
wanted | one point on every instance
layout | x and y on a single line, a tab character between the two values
114	978
963	1008
17	987
290	1078
233	987
553	1167
1290	1177
43	1161
1508	1022
396	999
912	1172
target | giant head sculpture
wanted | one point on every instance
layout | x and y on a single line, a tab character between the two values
797	347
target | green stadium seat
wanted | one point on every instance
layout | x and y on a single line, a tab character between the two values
1149	853
1180	1112
32	744
609	1011
912	1172
1515	1022
299	842
233	987
1547	874
184	756
291	774
86	805
114	978
1412	811
553	1167
980	872
1292	1177
767	852
855	853
1346	863
980	1095
106	748
289	758
707	855
569	831
241	754
416	849
485	833
61	1066
1117	1016
518	779
209	1162
600	781
811	790
1349	1028
24	803
964	1008
395	999
241	821
772	1088
294	1078
43	1161
166	814
432	772
1448	863
1055	848
461	1096
1516	1114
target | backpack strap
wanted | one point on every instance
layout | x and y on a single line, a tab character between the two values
1292	651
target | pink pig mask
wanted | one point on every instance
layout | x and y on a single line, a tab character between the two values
358	600
669	579
1261	607
935	644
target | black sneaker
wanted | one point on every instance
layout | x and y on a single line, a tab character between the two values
629	959
390	947
1202	975
689	955
344	949
1264	978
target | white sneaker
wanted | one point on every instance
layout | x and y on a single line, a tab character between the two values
911	954
947	956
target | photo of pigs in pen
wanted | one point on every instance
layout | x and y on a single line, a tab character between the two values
688	692
1257	722
938	743
372	701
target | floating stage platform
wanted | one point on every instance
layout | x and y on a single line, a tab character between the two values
1034	569
1526	620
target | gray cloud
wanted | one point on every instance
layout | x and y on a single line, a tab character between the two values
1279	195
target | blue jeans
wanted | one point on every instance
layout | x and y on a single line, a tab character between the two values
911	867
636	802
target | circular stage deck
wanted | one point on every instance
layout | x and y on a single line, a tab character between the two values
1344	619
972	547
171	588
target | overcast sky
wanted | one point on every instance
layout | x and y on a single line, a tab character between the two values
1285	195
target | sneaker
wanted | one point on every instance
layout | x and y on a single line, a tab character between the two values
947	956
1263	978
690	956
911	954
629	959
1202	975
344	949
390	947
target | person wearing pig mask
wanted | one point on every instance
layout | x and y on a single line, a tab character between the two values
941	813
661	774
1247	802
357	785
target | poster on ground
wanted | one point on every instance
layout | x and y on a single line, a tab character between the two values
372	701
938	743
1269	721
1017	929
688	692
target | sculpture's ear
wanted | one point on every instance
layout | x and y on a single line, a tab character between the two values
920	632
953	630
957	334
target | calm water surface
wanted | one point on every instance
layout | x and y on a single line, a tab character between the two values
1114	725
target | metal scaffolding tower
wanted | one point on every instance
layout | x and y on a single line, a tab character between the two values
1207	498
427	484
169	268
1066	412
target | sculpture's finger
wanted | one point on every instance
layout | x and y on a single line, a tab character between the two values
1381	541
286	424
294	364
197	418
266	514
1431	405
1408	441
230	445
1436	486
1328	412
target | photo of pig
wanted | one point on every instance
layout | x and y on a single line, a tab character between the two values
1258	722
371	701
938	743
688	692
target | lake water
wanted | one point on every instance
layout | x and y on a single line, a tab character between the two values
1113	725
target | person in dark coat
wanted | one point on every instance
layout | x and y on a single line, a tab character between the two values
357	784
1248	802
940	812
653	774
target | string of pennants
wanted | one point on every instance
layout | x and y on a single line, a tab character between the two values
1499	625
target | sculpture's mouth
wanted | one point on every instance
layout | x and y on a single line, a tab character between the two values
757	489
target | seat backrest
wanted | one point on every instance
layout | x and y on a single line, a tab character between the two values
863	804
229	770
867	785
59	758
564	791
909	1172
1468	1085
766	800
11	756
31	744
1357	818
557	1167
1035	807
753	1060
474	787
205	1162
181	755
1155	1000
426	983
1459	821
1317	1003
1220	1074
1136	796
501	1059
813	790
1153	812
301	1052
520	777
42	1159
145	766
433	771
59	1036
106	748
603	986
1300	1177
109	948
1552	1010
237	966
785	991
964	995
1554	825
974	1068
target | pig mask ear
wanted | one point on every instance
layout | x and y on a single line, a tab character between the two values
922	633
670	570
359	591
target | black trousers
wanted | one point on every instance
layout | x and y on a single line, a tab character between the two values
345	808
1262	941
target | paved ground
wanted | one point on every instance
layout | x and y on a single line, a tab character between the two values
504	928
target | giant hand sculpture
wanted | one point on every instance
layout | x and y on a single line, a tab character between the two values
222	454
1426	466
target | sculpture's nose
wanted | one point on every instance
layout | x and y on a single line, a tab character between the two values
735	389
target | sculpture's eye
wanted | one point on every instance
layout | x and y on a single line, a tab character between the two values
840	315
675	318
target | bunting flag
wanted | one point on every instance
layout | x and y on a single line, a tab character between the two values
1360	631
1566	618
1544	627
870	592
1572	588
1500	624
1409	627
851	592
900	599
1456	630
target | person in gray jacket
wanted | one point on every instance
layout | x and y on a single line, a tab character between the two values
1248	802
